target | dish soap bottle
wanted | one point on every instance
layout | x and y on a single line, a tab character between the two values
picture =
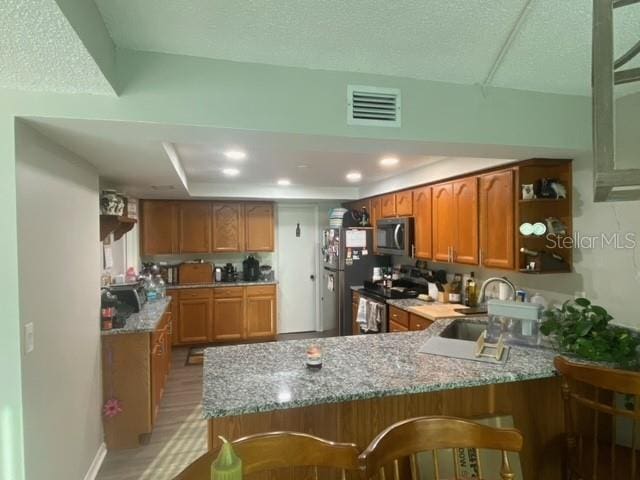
228	466
470	298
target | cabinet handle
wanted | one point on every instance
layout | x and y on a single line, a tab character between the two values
481	257
413	251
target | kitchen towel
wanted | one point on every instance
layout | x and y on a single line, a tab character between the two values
361	318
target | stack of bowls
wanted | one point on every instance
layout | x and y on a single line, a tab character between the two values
335	217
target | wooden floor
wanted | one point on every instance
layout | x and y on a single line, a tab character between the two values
180	434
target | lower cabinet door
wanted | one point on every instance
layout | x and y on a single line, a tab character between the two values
397	327
261	316
418	323
195	318
228	319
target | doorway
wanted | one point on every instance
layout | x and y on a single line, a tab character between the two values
298	268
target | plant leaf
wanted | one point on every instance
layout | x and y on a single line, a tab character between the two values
583	302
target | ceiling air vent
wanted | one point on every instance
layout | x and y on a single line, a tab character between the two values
373	106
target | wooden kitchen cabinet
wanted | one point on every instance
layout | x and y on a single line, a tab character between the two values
194	234
397	327
465	205
355	302
158	227
228	314
136	366
497	224
422	223
404	203
388	205
228	227
260	312
259	226
399	316
455	221
417	322
195	315
174	306
442	223
376	214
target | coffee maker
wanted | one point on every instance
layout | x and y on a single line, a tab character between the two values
251	269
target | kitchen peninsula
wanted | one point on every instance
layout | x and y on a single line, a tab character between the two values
369	382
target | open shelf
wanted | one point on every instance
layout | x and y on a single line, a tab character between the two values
536	272
543	200
115	224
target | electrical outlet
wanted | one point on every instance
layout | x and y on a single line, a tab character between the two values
28	338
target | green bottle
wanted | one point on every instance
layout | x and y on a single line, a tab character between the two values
228	466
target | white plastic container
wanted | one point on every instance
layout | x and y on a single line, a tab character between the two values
518	322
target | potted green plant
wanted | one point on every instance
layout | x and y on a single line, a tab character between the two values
579	328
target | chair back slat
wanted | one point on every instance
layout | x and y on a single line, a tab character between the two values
594	449
274	450
413	465
436	465
284	450
595	434
430	434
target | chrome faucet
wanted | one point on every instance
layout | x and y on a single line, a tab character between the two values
483	288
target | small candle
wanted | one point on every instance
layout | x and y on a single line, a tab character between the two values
228	466
314	356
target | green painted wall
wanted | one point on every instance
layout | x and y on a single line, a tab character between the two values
191	91
86	20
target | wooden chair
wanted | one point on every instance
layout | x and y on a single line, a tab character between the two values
592	411
271	451
423	434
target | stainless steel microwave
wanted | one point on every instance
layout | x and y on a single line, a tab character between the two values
394	236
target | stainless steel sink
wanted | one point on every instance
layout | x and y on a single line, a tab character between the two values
464	330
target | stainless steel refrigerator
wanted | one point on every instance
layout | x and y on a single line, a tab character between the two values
348	261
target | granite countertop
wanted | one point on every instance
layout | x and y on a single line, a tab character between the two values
239	283
145	321
264	377
405	303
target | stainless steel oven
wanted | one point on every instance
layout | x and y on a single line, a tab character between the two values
381	303
394	236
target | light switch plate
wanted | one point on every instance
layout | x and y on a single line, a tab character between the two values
28	338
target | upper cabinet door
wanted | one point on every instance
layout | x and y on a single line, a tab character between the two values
422	223
465	198
404	203
228	227
443	222
159	227
376	214
195	227
259	227
497	224
389	205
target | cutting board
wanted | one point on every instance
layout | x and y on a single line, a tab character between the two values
437	311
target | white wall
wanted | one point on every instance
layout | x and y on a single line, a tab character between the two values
57	199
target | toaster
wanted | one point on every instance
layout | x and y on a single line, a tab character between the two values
131	294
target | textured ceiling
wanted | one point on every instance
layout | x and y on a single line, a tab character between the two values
447	40
131	155
40	51
267	161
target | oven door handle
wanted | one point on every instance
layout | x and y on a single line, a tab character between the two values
396	232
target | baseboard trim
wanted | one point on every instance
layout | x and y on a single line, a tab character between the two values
92	473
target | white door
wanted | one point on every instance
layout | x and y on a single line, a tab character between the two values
297	267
